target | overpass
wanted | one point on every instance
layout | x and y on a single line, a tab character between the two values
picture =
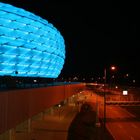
123	103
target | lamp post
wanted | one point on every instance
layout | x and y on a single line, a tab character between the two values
104	99
112	79
59	106
113	68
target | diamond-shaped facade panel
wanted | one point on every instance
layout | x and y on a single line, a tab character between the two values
29	45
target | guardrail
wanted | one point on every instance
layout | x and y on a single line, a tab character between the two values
136	103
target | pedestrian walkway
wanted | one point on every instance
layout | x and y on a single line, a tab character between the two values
68	122
52	126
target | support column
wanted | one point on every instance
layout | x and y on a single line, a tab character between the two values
12	134
29	125
52	111
41	115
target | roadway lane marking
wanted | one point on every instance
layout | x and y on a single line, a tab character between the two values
127	112
134	126
120	126
114	138
132	138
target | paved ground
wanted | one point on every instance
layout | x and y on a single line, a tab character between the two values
70	122
52	126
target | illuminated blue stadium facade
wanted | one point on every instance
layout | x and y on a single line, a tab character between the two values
29	45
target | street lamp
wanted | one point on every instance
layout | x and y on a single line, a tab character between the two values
112	68
59	106
104	99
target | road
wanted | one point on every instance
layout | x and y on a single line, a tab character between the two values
123	123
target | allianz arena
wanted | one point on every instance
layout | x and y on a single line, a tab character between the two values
29	45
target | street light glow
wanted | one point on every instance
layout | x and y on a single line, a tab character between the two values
113	68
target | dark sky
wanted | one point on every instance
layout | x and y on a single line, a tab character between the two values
97	34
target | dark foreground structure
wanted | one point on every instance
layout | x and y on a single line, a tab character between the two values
83	127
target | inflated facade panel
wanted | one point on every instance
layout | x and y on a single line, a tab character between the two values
29	45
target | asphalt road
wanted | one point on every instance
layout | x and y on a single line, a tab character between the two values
123	122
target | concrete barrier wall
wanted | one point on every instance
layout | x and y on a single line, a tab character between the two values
17	106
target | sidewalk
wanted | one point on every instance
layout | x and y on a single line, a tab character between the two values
52	127
67	123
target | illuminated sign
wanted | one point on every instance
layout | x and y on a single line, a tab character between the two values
125	92
29	45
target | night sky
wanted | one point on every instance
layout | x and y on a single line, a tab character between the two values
97	34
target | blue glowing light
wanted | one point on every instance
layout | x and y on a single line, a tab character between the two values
29	45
